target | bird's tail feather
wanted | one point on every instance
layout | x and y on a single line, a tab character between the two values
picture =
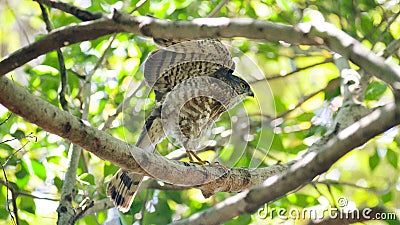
124	185
122	189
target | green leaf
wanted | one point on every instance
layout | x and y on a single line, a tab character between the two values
53	159
3	213
302	200
373	161
366	23
87	177
279	105
27	204
392	157
109	169
23	222
58	183
162	215
243	219
89	220
22	175
387	197
375	90
38	169
18	134
6	147
331	93
277	142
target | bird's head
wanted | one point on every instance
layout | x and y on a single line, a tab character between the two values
239	86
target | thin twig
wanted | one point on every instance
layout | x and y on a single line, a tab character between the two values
73	10
13	196
331	85
319	191
218	8
30	135
384	32
64	80
86	204
143	209
82	77
6	119
138	5
61	62
25	194
255	148
15	208
391	48
343	183
65	207
10	156
273	77
37	197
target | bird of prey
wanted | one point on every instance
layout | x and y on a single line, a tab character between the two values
194	85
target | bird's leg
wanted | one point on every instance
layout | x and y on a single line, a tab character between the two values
188	152
199	160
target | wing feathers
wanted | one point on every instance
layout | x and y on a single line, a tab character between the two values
162	60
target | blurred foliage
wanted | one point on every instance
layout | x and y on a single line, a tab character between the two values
38	160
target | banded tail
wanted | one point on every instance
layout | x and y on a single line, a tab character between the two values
123	185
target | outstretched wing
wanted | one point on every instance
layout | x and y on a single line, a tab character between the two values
162	60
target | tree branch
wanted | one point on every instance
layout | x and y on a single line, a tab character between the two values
56	39
209	179
153	27
342	43
306	33
273	77
14	195
81	14
317	160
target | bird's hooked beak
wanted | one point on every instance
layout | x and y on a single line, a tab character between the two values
250	93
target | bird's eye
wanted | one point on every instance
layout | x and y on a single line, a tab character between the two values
242	85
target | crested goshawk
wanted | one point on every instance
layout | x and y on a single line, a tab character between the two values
193	85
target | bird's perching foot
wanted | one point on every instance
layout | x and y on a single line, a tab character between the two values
199	161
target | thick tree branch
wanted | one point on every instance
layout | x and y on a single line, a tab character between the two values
209	179
342	43
153	27
56	39
310	34
317	160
